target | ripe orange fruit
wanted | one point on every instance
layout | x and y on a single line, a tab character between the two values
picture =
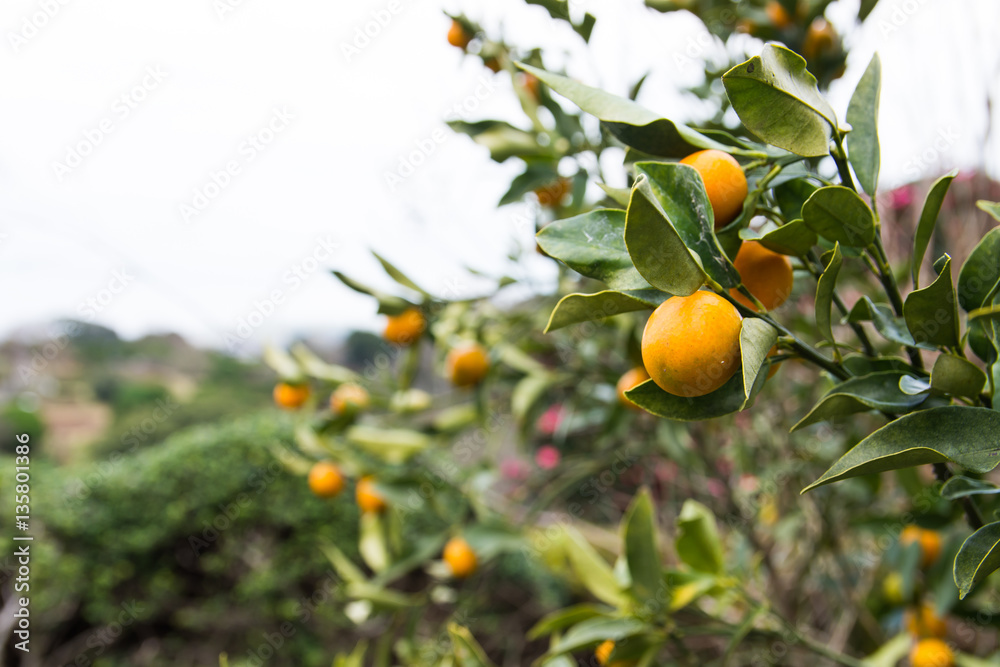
405	328
929	540
467	364
767	274
820	38
325	480
603	652
774	367
349	399
725	183
290	396
931	653
691	344
457	36
552	195
778	15
924	622
631	378
460	558
368	498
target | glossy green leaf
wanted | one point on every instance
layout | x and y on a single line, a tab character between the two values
777	99
757	337
725	400
957	376
680	193
825	287
912	386
960	486
791	195
794	238
618	195
642	553
576	308
859	364
889	326
969	437
931	313
591	570
981	272
698	543
564	618
978	557
593	631
991	207
928	220
878	391
502	139
862	114
655	246
839	214
392	445
593	244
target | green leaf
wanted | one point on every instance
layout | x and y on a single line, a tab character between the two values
527	393
825	286
725	400
791	195
978	557
912	386
317	368
777	100
757	337
576	308
468	652
991	207
399	276
283	364
969	437
559	9
655	246
564	618
794	238
346	570
981	272
928	219
960	486
863	11
596	630
535	175
503	140
889	326
593	244
394	445
372	543
641	550
839	214
592	570
388	304
698	543
894	650
931	313
878	391
957	376
629	122
862	114
680	192
618	195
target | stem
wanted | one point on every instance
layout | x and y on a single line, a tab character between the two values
888	280
841	159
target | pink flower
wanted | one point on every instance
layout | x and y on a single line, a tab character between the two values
547	457
747	483
901	197
715	487
550	420
513	469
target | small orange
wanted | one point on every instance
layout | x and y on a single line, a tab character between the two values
691	344
820	38
325	480
467	364
631	378
603	653
457	36
931	653
924	622
368	497
774	366
349	399
405	328
290	396
460	558
725	183
778	15
767	274
929	540
552	195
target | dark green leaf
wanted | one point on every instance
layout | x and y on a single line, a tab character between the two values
957	376
981	272
564	618
791	195
727	399
928	219
596	630
536	175
960	486
978	557
825	286
698	543
642	551
576	308
931	313
890	327
794	238
863	11
862	114
757	337
878	391
838	214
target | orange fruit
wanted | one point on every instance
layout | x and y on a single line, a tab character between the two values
457	36
929	540
467	364
931	653
325	480
603	653
778	15
367	496
631	378
767	274
774	367
349	399
552	195
820	38
725	183
405	328
691	344
924	622
290	396
460	558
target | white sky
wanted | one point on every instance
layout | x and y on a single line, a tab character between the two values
320	180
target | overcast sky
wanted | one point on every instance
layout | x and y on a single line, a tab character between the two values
177	166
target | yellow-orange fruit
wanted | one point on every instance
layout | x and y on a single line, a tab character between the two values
467	364
631	378
457	36
725	183
326	480
924	622
931	653
405	328
603	654
691	344
767	274
460	557
553	194
368	498
778	15
349	399
290	396
820	38
774	367
929	540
